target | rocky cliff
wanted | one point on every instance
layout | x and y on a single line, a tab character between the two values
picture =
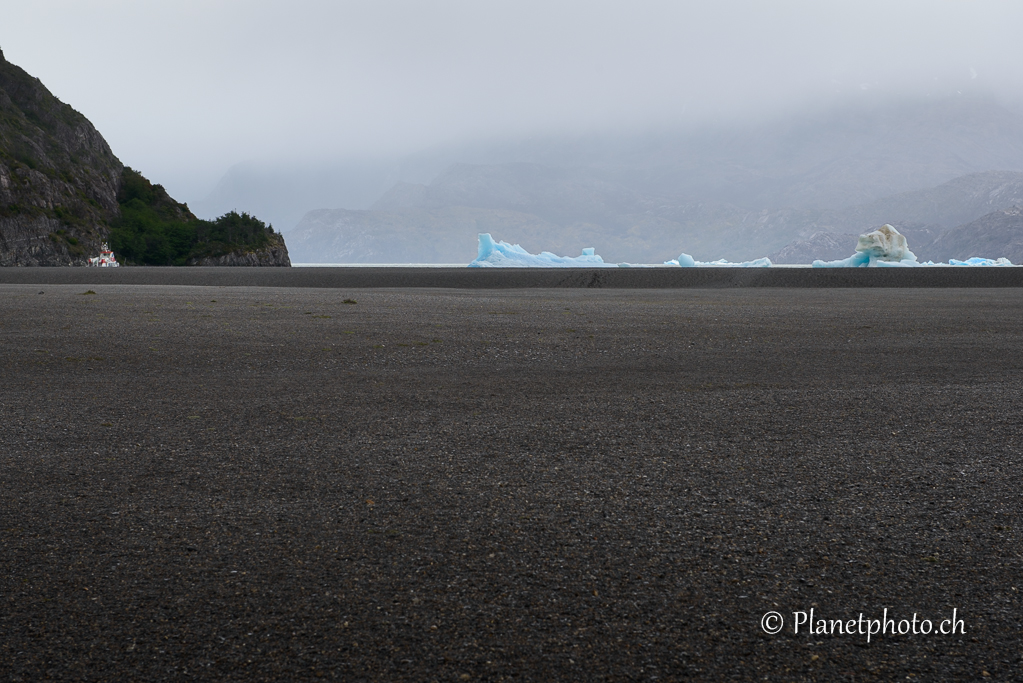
274	254
58	177
62	188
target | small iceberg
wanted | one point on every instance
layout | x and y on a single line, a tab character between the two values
687	261
493	254
974	261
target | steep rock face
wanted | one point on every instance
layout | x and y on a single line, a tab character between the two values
63	192
58	177
996	235
275	254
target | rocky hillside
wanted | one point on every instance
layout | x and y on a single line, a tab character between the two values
63	193
58	177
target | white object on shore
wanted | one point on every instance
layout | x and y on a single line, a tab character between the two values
493	254
105	259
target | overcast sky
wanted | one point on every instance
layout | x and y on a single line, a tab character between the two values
183	89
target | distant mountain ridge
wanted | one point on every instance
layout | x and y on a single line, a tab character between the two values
447	234
736	193
997	234
422	227
924	216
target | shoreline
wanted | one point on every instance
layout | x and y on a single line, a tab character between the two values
521	278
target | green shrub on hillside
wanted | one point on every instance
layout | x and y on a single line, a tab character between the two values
155	230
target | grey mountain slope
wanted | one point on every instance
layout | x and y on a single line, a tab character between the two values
628	225
844	158
562	195
922	216
950	204
832	159
442	235
742	193
998	234
430	231
823	245
848	155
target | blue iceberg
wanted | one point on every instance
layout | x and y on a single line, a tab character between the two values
493	254
973	261
864	260
885	247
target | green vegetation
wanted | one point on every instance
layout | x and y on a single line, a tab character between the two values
58	236
155	230
11	210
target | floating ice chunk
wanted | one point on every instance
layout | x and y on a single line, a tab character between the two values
857	260
978	261
687	261
904	263
865	260
722	263
973	261
885	244
493	254
885	247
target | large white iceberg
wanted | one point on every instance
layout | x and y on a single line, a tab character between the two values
886	247
885	244
493	254
687	261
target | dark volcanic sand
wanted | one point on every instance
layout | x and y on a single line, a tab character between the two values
269	484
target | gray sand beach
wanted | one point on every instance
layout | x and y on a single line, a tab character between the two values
262	483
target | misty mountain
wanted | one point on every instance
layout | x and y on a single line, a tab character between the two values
736	192
441	235
922	216
993	235
823	245
828	159
413	221
999	233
